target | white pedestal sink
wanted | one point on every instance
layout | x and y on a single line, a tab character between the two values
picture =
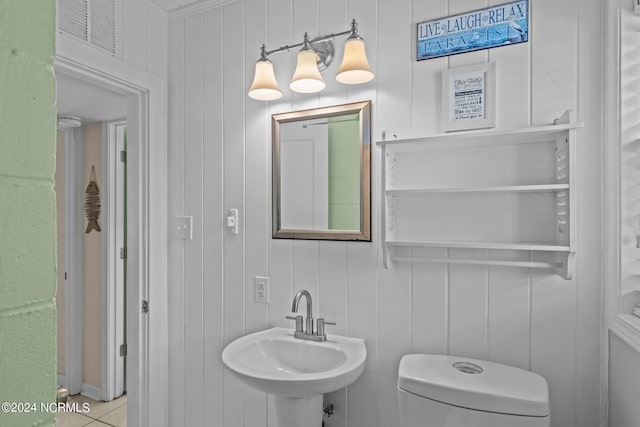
297	372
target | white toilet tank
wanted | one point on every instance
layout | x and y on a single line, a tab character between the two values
449	391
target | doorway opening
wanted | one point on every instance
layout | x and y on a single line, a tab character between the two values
91	199
146	218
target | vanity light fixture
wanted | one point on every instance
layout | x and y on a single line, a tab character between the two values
314	56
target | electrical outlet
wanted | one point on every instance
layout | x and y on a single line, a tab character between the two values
261	290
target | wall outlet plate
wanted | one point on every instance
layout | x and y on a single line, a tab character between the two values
261	290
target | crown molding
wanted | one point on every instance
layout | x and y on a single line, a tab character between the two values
156	9
194	8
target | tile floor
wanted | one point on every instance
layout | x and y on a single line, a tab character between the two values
99	414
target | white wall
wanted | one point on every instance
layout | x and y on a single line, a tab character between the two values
142	38
219	158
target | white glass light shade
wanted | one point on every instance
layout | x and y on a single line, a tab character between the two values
264	87
307	78
355	68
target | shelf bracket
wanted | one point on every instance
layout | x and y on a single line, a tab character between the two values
567	263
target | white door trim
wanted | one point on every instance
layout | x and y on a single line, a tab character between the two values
73	248
147	360
113	240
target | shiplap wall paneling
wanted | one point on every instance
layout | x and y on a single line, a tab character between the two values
144	36
157	34
134	25
278	33
175	201
468	285
362	300
509	311
394	285
430	303
213	221
333	18
361	287
426	111
332	306
589	177
513	70
554	57
257	179
233	59
193	194
510	315
257	174
553	317
305	266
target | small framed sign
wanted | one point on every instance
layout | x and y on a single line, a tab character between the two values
468	97
500	25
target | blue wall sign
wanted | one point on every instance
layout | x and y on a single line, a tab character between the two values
482	29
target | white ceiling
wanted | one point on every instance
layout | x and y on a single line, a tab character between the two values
89	102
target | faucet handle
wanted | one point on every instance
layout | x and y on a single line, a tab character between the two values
298	320
320	322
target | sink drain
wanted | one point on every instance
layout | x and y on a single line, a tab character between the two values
468	367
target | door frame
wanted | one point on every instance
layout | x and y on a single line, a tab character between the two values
113	322
147	359
73	260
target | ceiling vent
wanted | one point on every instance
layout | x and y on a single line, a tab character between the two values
92	21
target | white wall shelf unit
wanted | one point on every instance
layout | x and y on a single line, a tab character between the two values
492	190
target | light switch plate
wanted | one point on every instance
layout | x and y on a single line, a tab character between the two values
232	221
183	227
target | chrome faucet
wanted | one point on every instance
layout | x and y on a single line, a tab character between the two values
294	309
307	334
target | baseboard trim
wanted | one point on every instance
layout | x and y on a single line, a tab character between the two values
92	392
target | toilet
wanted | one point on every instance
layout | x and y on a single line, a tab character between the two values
449	391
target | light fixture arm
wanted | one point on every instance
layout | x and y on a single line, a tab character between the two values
353	31
314	56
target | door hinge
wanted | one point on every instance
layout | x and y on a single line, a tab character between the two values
123	350
123	156
145	306
65	275
123	253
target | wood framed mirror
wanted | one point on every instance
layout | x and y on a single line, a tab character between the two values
321	176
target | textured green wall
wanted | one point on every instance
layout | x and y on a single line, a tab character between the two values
27	208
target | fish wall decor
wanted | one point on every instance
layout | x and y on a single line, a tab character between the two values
92	203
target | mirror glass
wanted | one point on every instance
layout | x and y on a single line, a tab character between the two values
322	173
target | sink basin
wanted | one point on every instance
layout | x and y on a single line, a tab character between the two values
275	362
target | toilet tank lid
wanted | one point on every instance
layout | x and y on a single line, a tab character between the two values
498	388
